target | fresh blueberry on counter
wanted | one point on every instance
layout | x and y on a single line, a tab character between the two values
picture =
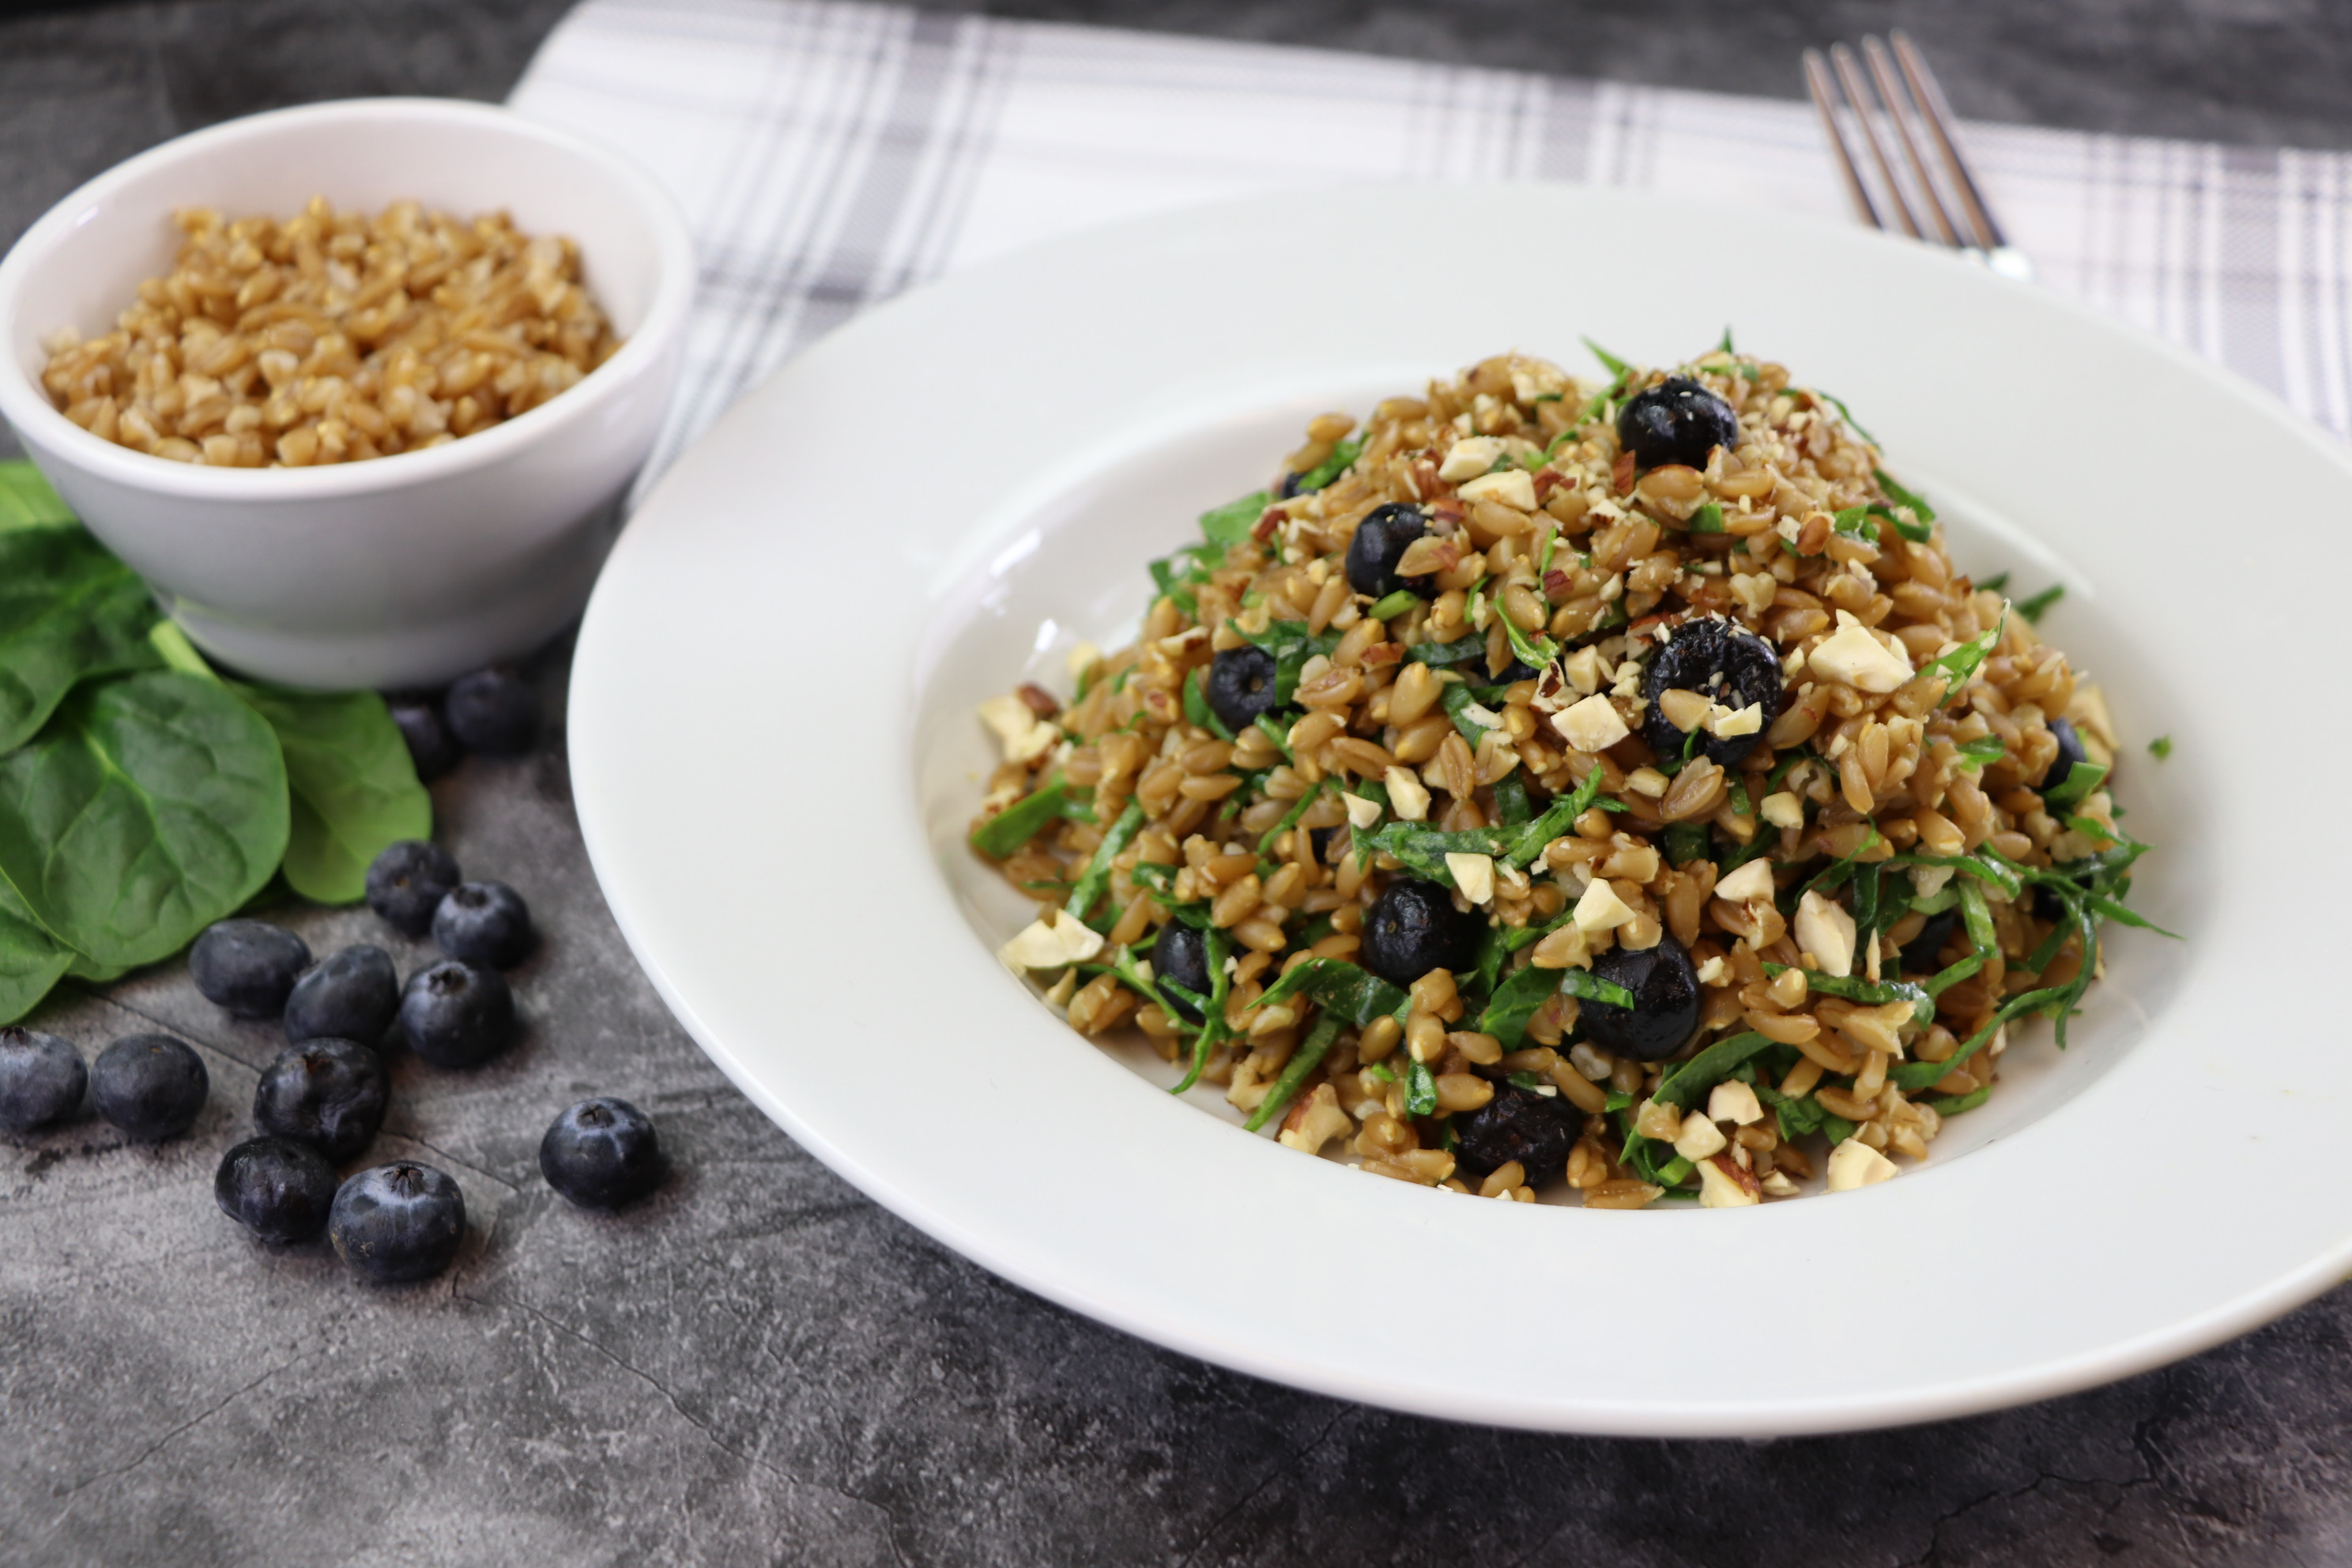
406	883
431	747
397	1222
492	712
247	966
41	1079
328	1094
455	1014
353	994
485	923
602	1154
275	1188
149	1086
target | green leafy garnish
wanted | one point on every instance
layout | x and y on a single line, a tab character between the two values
1959	664
2032	609
1017	824
1687	1085
1707	519
1983	752
1420	1089
1229	525
1587	986
2160	748
1331	468
1292	645
1396	604
1617	367
1095	878
1296	1071
1515	1002
1850	419
1290	818
2081	779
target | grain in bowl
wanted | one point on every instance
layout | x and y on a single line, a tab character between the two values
1616	787
332	337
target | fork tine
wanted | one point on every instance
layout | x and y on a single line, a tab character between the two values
1900	109
1817	79
1857	94
1929	95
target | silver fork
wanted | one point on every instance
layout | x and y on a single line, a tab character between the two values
1908	99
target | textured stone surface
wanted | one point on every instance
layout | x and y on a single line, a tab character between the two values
757	1365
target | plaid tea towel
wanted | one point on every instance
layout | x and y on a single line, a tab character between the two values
828	155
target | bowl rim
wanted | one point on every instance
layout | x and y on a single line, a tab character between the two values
25	404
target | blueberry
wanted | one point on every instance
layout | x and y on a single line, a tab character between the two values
397	1222
149	1086
1241	686
2070	752
1180	952
600	1154
1517	1124
1722	662
431	747
247	966
1677	421
457	1016
483	922
278	1189
1923	954
1379	544
1665	1001
492	712
328	1094
41	1079
353	996
1415	928
406	883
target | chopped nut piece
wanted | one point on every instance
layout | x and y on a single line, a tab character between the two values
1850	654
1826	931
1753	881
1699	1138
1591	726
1049	941
1469	458
1723	1184
1408	797
1362	811
1600	909
1474	874
1515	488
1732	1101
1855	1163
1783	810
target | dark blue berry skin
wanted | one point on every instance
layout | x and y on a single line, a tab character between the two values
1241	686
1677	421
485	923
1665	1001
1922	954
1415	928
42	1080
149	1086
278	1189
2070	752
1518	1125
492	712
1179	953
431	747
455	1014
328	1094
406	883
1379	542
602	1154
397	1222
353	994
247	966
1722	662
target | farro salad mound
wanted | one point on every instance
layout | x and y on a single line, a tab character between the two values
1614	784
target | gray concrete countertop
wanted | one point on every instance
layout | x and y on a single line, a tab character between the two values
758	1365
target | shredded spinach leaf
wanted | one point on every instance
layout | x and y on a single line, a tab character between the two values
1196	705
1017	824
1292	645
1396	604
1296	1071
2080	781
2160	748
1616	366
1707	519
1340	988
1229	525
1959	664
2032	609
1331	468
1587	986
1095	878
1420	1089
1687	1086
1515	1002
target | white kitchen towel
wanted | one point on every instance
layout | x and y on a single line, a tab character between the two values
829	155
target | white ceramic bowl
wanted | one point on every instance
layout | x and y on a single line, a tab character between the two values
777	817
399	571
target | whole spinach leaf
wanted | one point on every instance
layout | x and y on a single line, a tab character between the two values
31	961
352	785
68	611
148	807
27	501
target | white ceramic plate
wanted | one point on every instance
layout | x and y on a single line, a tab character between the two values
775	758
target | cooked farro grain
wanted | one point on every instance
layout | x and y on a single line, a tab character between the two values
1633	756
333	337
